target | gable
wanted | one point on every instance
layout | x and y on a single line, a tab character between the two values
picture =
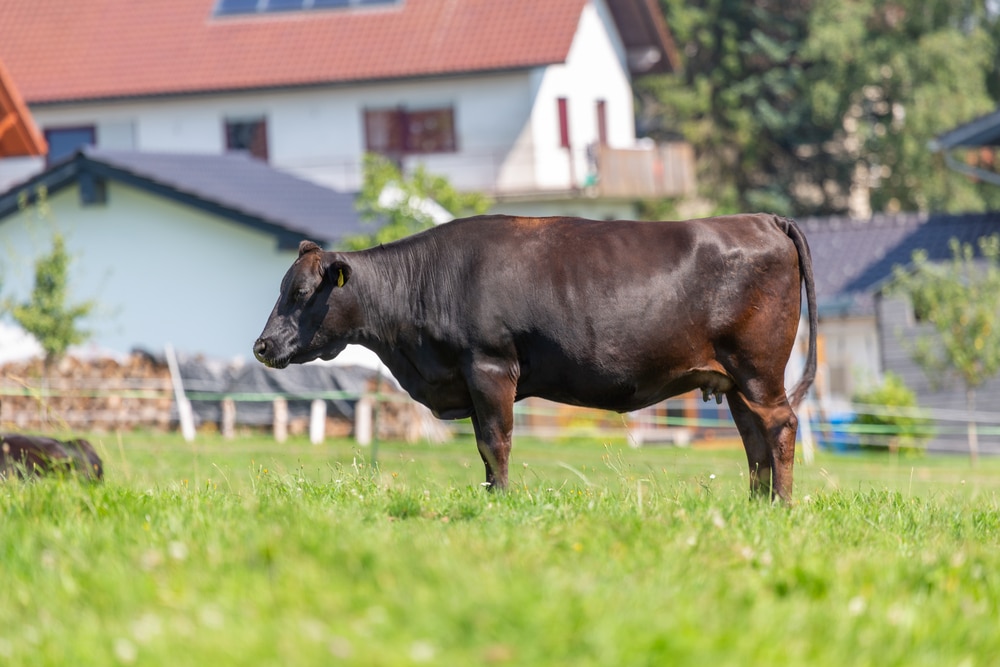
231	186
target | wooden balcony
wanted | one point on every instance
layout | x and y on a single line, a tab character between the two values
659	170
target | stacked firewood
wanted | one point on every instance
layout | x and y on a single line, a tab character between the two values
106	395
98	395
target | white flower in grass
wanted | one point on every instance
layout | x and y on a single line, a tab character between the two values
422	651
125	650
857	606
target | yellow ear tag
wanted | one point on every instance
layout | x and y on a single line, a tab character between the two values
340	277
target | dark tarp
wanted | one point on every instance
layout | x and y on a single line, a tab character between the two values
253	386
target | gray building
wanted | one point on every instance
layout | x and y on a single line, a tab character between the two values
865	332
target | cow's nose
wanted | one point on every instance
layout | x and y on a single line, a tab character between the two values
259	348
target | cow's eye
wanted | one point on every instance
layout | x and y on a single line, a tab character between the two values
302	294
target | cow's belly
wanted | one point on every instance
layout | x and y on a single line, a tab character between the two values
438	386
620	390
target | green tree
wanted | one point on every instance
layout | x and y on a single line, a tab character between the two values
820	106
961	299
737	97
398	204
46	314
888	76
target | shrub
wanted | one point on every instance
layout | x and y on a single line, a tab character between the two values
889	417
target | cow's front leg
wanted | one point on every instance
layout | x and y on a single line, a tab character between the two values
493	386
494	448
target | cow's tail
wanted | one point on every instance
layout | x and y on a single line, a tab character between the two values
806	269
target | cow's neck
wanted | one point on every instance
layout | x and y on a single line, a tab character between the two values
404	307
394	295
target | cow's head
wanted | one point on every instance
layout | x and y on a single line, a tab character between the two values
315	313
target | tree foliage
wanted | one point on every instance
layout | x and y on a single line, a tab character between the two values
961	299
821	106
46	314
405	212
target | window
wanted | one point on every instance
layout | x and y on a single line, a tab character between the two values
283	5
64	141
247	135
402	131
238	7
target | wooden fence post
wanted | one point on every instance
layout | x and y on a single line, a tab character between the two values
228	418
280	419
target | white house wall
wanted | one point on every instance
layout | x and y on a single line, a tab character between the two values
318	133
160	272
594	70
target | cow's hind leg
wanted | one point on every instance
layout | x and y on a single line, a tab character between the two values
768	433
759	456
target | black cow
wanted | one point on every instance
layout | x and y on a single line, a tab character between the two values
36	455
478	313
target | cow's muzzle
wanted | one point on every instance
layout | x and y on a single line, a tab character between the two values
263	352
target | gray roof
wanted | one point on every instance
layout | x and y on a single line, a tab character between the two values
231	185
852	259
982	131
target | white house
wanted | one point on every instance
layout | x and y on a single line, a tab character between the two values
171	247
528	101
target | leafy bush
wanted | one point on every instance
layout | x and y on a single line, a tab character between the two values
890	418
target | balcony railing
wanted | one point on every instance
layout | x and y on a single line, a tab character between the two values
645	171
660	170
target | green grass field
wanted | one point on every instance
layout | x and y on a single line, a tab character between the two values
246	552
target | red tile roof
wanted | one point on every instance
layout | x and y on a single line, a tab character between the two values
97	49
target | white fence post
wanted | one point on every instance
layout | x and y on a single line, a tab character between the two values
184	412
363	421
317	421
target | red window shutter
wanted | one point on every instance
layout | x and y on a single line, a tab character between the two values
563	122
385	131
430	131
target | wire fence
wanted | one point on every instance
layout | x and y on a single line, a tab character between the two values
132	404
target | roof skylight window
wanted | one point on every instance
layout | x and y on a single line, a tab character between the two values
237	7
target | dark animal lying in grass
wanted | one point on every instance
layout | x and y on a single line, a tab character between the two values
35	455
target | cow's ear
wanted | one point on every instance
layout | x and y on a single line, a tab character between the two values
306	247
338	271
